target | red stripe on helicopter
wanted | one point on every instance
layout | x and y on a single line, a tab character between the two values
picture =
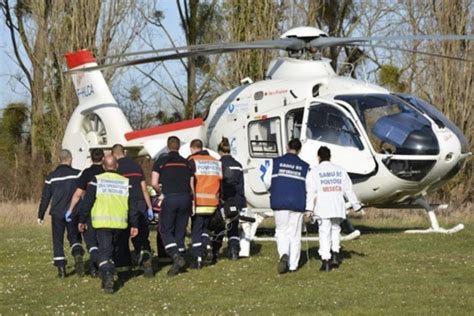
79	58
164	128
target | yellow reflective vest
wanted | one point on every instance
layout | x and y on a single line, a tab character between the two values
110	209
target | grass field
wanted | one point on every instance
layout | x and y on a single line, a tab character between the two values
385	271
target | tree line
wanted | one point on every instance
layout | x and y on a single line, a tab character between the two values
41	31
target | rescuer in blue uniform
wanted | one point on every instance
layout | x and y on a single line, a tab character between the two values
172	176
58	189
141	199
108	204
288	200
233	201
90	237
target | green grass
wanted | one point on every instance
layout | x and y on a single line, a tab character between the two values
388	272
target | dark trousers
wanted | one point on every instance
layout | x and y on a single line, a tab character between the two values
122	257
174	217
59	226
90	238
160	247
232	234
200	234
141	242
109	247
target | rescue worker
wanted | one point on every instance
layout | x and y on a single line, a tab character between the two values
140	197
208	176
172	176
90	238
108	203
327	185
233	201
58	189
287	199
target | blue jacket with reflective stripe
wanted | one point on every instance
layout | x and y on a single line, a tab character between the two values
288	189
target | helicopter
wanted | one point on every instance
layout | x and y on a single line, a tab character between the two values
396	148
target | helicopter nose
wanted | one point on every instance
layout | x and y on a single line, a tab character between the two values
451	157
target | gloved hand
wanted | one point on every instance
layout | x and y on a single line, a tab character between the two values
67	216
40	221
149	214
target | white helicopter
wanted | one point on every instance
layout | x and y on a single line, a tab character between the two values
396	148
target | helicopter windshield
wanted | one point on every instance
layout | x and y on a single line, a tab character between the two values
437	116
392	125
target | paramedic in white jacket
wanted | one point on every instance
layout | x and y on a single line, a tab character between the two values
327	184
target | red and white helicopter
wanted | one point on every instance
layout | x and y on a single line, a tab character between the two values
396	148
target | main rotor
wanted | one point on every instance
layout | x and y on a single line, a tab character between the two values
298	42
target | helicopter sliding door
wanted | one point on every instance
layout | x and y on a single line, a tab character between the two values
265	143
332	126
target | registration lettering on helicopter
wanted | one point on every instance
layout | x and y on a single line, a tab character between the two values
85	91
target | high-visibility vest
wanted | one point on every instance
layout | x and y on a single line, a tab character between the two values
110	209
208	180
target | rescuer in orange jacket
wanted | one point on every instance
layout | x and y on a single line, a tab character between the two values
208	176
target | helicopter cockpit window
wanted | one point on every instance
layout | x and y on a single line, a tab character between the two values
265	138
437	116
294	123
393	126
328	124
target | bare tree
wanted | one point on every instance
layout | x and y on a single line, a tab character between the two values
48	29
248	20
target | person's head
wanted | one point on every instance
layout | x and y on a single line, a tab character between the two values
118	151
324	154
196	145
224	147
110	163
97	155
294	146
173	143
65	157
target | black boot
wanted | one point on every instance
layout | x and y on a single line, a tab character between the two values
108	282
335	260
147	268
208	256
283	264
215	257
146	263
178	264
325	266
61	272
234	254
196	264
79	265
93	271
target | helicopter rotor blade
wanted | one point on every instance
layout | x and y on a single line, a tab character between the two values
413	51
293	44
323	42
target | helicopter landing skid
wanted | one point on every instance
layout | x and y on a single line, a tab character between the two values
354	235
435	228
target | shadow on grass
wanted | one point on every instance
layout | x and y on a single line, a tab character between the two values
312	253
364	229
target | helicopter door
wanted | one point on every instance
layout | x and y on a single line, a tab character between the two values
332	126
265	143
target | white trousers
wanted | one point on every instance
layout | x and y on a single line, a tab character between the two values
329	237
288	226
